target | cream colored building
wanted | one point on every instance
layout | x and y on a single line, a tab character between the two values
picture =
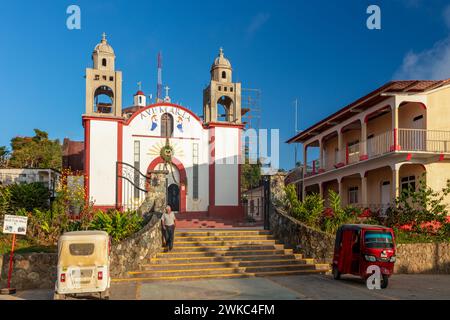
383	142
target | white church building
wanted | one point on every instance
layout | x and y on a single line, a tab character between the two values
126	150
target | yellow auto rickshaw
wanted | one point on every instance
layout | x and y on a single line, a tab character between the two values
83	264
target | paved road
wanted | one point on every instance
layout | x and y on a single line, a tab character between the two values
283	288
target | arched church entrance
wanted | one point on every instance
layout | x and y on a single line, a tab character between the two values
176	182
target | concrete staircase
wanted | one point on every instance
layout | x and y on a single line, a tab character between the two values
225	253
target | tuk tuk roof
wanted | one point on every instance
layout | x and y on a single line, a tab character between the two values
84	234
362	226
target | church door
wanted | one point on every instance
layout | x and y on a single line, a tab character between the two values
173	197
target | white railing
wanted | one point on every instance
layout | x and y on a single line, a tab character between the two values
424	140
379	144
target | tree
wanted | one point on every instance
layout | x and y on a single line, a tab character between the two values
251	175
3	157
36	152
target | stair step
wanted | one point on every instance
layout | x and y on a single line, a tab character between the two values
221	270
220	264
219	276
221	253
227	248
181	243
220	232
221	258
223	238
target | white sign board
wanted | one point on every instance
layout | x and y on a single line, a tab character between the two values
15	224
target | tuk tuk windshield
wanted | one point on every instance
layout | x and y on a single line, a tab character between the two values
378	239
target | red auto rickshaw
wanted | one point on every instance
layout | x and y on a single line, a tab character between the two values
359	246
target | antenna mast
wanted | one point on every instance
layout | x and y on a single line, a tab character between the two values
159	85
296	130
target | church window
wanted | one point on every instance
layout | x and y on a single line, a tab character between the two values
195	171
166	125
140	99
104	62
104	78
225	88
231	89
220	88
224	75
137	163
111	78
97	77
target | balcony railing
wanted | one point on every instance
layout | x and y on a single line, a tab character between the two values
424	140
414	140
379	144
312	167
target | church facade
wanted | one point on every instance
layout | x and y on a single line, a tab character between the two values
135	153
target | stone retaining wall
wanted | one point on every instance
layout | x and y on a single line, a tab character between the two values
31	270
433	258
423	258
140	247
38	270
312	243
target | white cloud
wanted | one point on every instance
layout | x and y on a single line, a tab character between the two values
433	63
257	22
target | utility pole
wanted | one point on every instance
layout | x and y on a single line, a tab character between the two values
296	130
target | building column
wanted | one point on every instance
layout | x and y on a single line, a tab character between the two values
364	195
305	159
394	113
321	162
341	158
321	190
340	189
363	144
395	182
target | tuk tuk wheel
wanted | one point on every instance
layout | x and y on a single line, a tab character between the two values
336	273
57	296
384	282
104	295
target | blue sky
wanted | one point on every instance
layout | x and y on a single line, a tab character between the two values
319	52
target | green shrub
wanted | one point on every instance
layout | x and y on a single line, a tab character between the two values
309	210
5	201
416	207
28	196
117	224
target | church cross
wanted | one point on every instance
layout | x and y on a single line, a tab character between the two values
167	90
139	85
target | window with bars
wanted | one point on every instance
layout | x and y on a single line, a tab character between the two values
353	195
408	183
137	166
166	125
195	171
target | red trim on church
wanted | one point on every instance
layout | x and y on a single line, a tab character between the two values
212	167
119	167
87	156
183	178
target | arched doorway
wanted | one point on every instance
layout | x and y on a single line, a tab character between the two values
173	197
181	178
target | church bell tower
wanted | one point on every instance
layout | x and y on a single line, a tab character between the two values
222	97
103	83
